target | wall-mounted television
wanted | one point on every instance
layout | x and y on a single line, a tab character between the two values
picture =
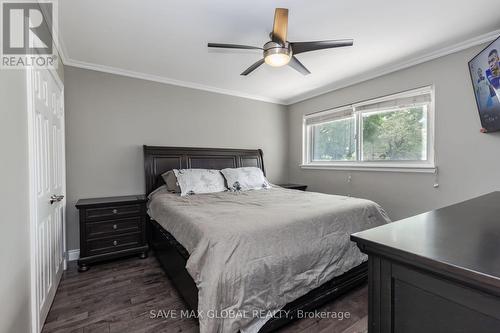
485	74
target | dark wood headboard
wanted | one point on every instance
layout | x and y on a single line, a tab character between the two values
158	160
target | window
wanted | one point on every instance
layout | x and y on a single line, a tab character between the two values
334	140
387	133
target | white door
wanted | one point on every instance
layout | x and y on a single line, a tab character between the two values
47	189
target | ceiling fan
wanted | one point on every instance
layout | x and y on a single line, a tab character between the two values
280	52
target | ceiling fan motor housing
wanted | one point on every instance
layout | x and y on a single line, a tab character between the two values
276	54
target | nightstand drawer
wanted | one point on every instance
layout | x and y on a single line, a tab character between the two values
113	227
111	244
112	211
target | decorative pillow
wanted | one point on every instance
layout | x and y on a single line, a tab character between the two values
197	181
246	178
171	181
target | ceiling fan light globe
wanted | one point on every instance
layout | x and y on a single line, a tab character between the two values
277	59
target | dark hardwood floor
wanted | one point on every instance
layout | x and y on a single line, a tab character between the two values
119	296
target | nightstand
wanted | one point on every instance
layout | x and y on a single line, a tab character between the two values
111	227
299	187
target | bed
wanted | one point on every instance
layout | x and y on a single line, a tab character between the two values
256	259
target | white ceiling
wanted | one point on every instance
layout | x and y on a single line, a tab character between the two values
165	40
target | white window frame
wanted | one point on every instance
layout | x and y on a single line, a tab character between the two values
427	166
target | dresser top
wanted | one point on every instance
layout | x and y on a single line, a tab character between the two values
121	200
462	239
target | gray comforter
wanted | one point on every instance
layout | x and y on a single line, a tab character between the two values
253	252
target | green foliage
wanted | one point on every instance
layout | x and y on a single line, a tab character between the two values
335	140
394	135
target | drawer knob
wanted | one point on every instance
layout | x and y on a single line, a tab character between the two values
115	226
115	243
115	211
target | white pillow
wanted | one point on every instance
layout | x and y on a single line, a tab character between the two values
171	181
197	181
246	178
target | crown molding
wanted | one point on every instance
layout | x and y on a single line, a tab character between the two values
384	70
391	68
61	48
165	80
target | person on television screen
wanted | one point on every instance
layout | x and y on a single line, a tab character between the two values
493	73
483	91
480	76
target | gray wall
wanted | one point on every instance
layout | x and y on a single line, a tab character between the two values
468	161
14	223
110	117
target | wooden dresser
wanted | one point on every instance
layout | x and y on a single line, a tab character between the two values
111	227
436	272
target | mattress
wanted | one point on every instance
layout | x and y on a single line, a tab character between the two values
252	252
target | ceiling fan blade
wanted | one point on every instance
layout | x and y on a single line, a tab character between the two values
253	67
280	26
233	46
301	47
298	66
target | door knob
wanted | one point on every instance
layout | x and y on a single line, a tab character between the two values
56	198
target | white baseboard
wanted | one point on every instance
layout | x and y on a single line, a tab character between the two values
73	254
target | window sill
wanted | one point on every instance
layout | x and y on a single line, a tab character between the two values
384	168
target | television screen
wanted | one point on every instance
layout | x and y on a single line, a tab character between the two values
485	74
